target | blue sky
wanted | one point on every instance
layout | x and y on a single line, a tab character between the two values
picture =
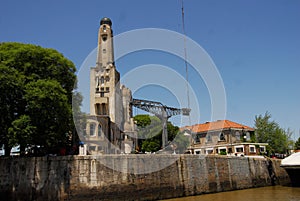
254	45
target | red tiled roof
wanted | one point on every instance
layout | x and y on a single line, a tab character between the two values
217	125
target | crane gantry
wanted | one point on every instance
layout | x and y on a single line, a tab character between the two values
163	112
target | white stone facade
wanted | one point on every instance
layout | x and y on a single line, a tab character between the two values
110	126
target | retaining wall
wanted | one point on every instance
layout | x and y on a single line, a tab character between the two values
132	177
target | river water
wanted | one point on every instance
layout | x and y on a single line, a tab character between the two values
273	193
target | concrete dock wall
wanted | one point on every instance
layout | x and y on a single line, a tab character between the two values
132	177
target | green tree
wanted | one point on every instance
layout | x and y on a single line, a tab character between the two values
150	132
172	131
11	101
79	118
151	145
149	128
37	82
182	142
35	62
269	131
297	144
142	120
21	133
50	112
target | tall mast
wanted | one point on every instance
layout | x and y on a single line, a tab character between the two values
185	60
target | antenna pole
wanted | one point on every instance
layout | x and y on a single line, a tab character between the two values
185	59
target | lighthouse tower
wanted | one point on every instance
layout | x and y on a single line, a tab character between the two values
105	93
110	109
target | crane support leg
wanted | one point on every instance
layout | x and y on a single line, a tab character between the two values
164	132
163	112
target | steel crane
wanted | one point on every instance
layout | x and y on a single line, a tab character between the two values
163	112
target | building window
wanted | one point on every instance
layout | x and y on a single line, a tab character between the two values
104	51
222	152
99	130
208	138
92	129
98	110
107	89
104	112
237	136
107	79
252	149
102	80
262	149
92	148
222	136
239	149
209	150
197	139
248	136
97	81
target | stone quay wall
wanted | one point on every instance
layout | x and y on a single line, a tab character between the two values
132	177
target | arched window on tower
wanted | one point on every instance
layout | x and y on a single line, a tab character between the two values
97	81
104	110
98	109
99	130
92	129
102	80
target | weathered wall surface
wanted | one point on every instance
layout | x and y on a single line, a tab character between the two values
129	177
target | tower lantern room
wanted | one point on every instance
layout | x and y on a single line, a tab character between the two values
105	44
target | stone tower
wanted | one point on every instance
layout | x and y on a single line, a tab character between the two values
105	94
110	121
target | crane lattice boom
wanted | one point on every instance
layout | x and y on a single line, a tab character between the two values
161	111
